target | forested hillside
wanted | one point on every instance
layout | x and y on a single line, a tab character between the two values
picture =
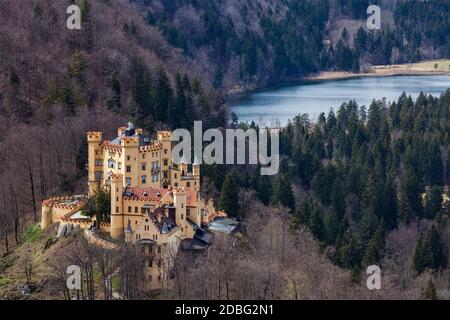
370	185
256	42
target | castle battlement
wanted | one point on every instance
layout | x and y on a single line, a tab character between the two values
94	136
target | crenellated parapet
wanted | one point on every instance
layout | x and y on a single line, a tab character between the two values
94	136
151	148
129	142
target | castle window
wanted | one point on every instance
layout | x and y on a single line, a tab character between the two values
166	162
182	217
136	209
144	166
150	263
165	174
128	181
143	156
144	179
159	251
165	151
128	158
129	209
188	184
117	209
117	198
98	175
111	163
119	165
182	205
175	175
128	168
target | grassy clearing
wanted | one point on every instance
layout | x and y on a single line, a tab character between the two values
32	233
5	281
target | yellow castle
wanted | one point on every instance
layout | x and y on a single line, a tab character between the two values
155	203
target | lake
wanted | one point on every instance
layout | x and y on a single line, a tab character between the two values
283	102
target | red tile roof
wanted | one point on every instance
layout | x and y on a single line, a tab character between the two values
191	198
146	194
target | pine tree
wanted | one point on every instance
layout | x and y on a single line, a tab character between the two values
140	87
429	292
163	97
376	245
435	249
410	198
282	192
433	202
264	189
315	223
331	227
429	252
419	263
229	196
114	102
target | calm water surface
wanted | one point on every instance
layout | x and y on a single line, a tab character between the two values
278	104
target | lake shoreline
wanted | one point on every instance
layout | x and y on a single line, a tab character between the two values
280	103
424	68
341	75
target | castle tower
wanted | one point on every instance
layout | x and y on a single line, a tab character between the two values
166	156
95	161
179	201
183	165
117	218
130	159
46	216
196	167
